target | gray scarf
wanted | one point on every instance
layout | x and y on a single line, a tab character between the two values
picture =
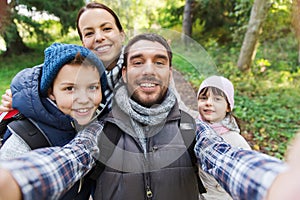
142	116
114	75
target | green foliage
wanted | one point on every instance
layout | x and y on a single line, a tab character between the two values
30	24
171	14
279	16
65	10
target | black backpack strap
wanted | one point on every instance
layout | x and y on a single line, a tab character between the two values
187	127
29	133
109	138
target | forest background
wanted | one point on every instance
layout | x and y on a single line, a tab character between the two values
254	43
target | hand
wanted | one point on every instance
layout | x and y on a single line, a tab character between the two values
9	189
287	184
6	101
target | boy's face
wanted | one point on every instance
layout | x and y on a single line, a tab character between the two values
77	91
212	108
101	34
148	72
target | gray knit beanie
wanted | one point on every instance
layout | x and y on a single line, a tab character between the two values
58	54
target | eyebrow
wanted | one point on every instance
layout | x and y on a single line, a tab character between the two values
101	25
141	55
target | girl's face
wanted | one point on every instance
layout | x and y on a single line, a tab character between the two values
212	107
77	91
101	34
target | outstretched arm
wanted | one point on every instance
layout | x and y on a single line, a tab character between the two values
9	188
245	174
287	184
47	173
6	101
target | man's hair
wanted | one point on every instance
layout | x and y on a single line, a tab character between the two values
95	5
149	37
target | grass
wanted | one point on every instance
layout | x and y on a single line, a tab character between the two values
10	66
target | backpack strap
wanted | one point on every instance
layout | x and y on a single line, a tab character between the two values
187	127
109	138
6	118
29	133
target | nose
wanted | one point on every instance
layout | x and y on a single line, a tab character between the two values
148	68
99	36
209	101
82	97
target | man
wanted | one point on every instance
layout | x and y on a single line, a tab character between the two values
150	160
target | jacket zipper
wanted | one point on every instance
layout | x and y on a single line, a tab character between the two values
149	193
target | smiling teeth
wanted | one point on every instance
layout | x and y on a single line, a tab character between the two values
82	110
102	48
147	85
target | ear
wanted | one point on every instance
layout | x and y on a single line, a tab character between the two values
124	72
51	95
171	75
123	36
228	109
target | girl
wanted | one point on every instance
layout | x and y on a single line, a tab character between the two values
215	104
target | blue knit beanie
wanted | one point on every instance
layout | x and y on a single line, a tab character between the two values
57	55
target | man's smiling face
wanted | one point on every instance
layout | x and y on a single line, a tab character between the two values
147	73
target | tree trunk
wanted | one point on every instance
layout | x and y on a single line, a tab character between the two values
187	21
4	15
296	23
259	12
9	31
13	40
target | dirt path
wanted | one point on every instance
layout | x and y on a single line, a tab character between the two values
186	91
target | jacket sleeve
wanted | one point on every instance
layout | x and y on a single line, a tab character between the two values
244	174
47	173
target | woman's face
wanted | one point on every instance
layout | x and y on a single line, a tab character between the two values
77	92
101	34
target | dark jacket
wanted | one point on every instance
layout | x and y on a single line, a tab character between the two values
164	172
55	124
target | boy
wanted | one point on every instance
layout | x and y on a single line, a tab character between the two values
59	97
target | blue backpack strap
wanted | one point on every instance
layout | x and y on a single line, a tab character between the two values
187	127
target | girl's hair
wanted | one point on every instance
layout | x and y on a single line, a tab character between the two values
95	5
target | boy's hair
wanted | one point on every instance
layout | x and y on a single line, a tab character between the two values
95	5
58	54
149	37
